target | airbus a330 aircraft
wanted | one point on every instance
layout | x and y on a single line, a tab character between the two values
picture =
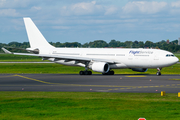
101	60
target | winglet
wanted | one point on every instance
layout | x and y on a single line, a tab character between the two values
6	51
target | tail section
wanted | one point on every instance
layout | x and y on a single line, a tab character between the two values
36	39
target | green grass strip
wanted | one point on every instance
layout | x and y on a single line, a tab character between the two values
41	68
18	58
88	106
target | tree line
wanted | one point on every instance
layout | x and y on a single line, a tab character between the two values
171	46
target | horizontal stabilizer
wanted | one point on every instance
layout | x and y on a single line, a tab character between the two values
6	51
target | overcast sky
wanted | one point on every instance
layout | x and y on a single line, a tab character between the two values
87	20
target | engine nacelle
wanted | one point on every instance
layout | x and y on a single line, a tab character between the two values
100	67
140	69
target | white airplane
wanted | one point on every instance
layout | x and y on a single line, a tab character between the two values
101	60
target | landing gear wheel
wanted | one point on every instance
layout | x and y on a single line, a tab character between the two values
158	73
104	73
111	72
85	73
81	73
108	73
89	73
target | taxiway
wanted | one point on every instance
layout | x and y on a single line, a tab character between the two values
93	83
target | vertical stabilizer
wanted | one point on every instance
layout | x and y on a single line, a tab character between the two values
36	39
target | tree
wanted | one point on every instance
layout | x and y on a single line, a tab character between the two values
98	43
148	44
113	43
141	44
172	46
135	44
128	44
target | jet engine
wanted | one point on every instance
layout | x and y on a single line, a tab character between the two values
100	67
139	69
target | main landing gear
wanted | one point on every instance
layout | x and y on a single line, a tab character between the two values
85	72
158	73
108	73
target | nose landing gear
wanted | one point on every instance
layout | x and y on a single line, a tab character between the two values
158	73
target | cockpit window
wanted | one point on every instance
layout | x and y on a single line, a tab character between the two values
169	55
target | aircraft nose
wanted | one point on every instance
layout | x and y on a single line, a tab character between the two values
177	60
173	60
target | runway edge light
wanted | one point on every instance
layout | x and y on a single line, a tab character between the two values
178	94
163	93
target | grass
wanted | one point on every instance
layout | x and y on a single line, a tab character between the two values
38	68
81	105
18	58
41	68
88	106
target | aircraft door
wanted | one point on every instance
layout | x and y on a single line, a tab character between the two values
156	57
156	60
130	59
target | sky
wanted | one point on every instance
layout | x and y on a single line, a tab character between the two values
88	20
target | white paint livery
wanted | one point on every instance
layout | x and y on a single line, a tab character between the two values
98	59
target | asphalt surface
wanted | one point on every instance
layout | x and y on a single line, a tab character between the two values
93	83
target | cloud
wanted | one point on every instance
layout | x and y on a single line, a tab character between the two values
111	10
91	17
144	7
88	8
175	4
60	27
15	3
83	8
2	2
8	12
36	8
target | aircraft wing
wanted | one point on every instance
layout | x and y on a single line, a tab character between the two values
61	57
